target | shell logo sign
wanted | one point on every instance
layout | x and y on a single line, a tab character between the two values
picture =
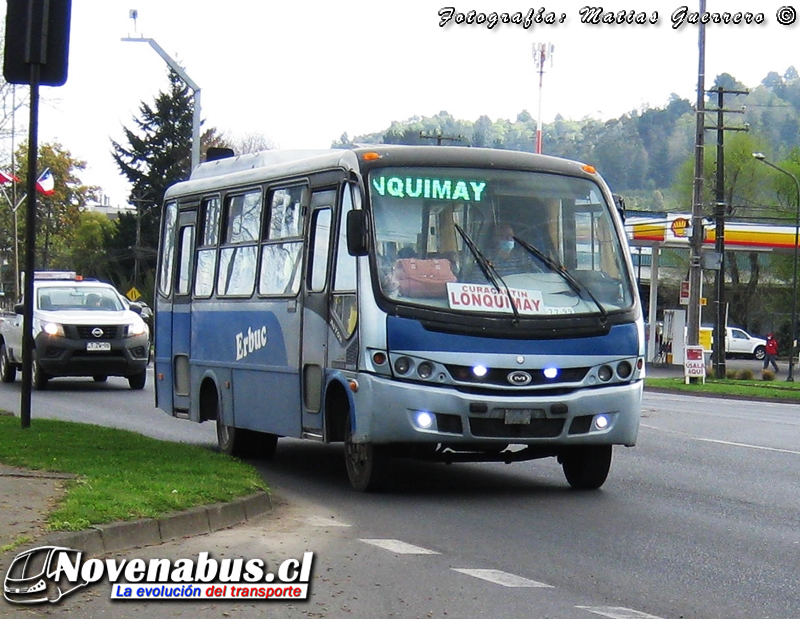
681	227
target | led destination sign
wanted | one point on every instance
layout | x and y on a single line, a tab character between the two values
428	188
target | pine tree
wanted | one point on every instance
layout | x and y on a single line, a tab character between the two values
158	154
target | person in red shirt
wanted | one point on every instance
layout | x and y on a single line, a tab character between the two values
772	352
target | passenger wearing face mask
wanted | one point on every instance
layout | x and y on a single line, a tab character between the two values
506	256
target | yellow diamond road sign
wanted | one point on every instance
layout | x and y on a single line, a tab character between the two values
133	294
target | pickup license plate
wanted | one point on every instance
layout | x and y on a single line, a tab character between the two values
101	346
520	416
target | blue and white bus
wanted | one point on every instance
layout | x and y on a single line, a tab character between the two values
366	296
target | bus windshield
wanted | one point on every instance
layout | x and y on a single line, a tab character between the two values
475	240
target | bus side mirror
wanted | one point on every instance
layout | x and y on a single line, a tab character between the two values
19	308
356	233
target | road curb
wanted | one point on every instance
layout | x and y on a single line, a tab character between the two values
120	536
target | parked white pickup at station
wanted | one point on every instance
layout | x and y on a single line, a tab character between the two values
739	342
80	328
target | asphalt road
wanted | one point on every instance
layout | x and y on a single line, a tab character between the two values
700	520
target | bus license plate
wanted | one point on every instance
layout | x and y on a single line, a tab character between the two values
101	346
519	416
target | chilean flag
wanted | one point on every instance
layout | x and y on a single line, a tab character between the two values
46	183
7	178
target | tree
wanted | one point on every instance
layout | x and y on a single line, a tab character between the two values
58	213
158	154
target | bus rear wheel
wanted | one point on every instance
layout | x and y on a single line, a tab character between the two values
586	467
365	462
243	443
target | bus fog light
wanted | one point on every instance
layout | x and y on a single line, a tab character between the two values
550	372
601	422
424	420
425	370
402	365
480	371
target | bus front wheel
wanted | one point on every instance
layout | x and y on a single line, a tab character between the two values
365	462
586	467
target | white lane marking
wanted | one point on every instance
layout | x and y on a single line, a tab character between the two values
502	578
395	545
728	443
321	521
617	612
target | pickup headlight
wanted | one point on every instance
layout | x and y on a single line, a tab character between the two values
53	328
137	327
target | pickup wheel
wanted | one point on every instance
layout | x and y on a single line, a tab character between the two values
137	381
8	371
40	377
759	353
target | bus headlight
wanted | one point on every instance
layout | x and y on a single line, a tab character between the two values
402	365
425	370
604	373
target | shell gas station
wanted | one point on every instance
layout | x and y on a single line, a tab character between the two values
674	231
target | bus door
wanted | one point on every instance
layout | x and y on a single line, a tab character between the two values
181	311
314	349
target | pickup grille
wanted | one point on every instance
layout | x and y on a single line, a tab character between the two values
84	332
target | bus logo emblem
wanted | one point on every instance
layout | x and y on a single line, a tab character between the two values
519	378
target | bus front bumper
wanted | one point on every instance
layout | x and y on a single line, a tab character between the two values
388	411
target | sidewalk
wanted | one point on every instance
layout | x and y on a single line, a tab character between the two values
26	497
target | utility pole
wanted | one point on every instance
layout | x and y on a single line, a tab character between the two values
695	267
720	209
542	52
440	138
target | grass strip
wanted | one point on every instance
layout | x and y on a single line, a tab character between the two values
755	389
122	475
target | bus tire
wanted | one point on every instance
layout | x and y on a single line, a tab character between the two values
100	378
586	467
8	371
242	443
365	462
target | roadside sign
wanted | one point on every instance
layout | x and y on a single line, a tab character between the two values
684	295
133	294
694	365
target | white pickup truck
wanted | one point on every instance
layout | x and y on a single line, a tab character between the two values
80	328
739	342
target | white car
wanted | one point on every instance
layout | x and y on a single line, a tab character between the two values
739	342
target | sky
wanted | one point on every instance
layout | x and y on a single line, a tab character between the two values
303	73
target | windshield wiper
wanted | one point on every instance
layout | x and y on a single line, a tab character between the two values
488	270
579	288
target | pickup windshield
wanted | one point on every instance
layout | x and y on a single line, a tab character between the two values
478	241
58	298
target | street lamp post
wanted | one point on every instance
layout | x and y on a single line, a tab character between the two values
189	82
762	158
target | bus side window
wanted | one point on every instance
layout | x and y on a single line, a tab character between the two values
207	252
237	262
168	253
282	243
321	230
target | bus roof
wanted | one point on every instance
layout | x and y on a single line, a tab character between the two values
256	167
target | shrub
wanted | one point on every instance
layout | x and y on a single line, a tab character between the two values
767	375
745	375
730	374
